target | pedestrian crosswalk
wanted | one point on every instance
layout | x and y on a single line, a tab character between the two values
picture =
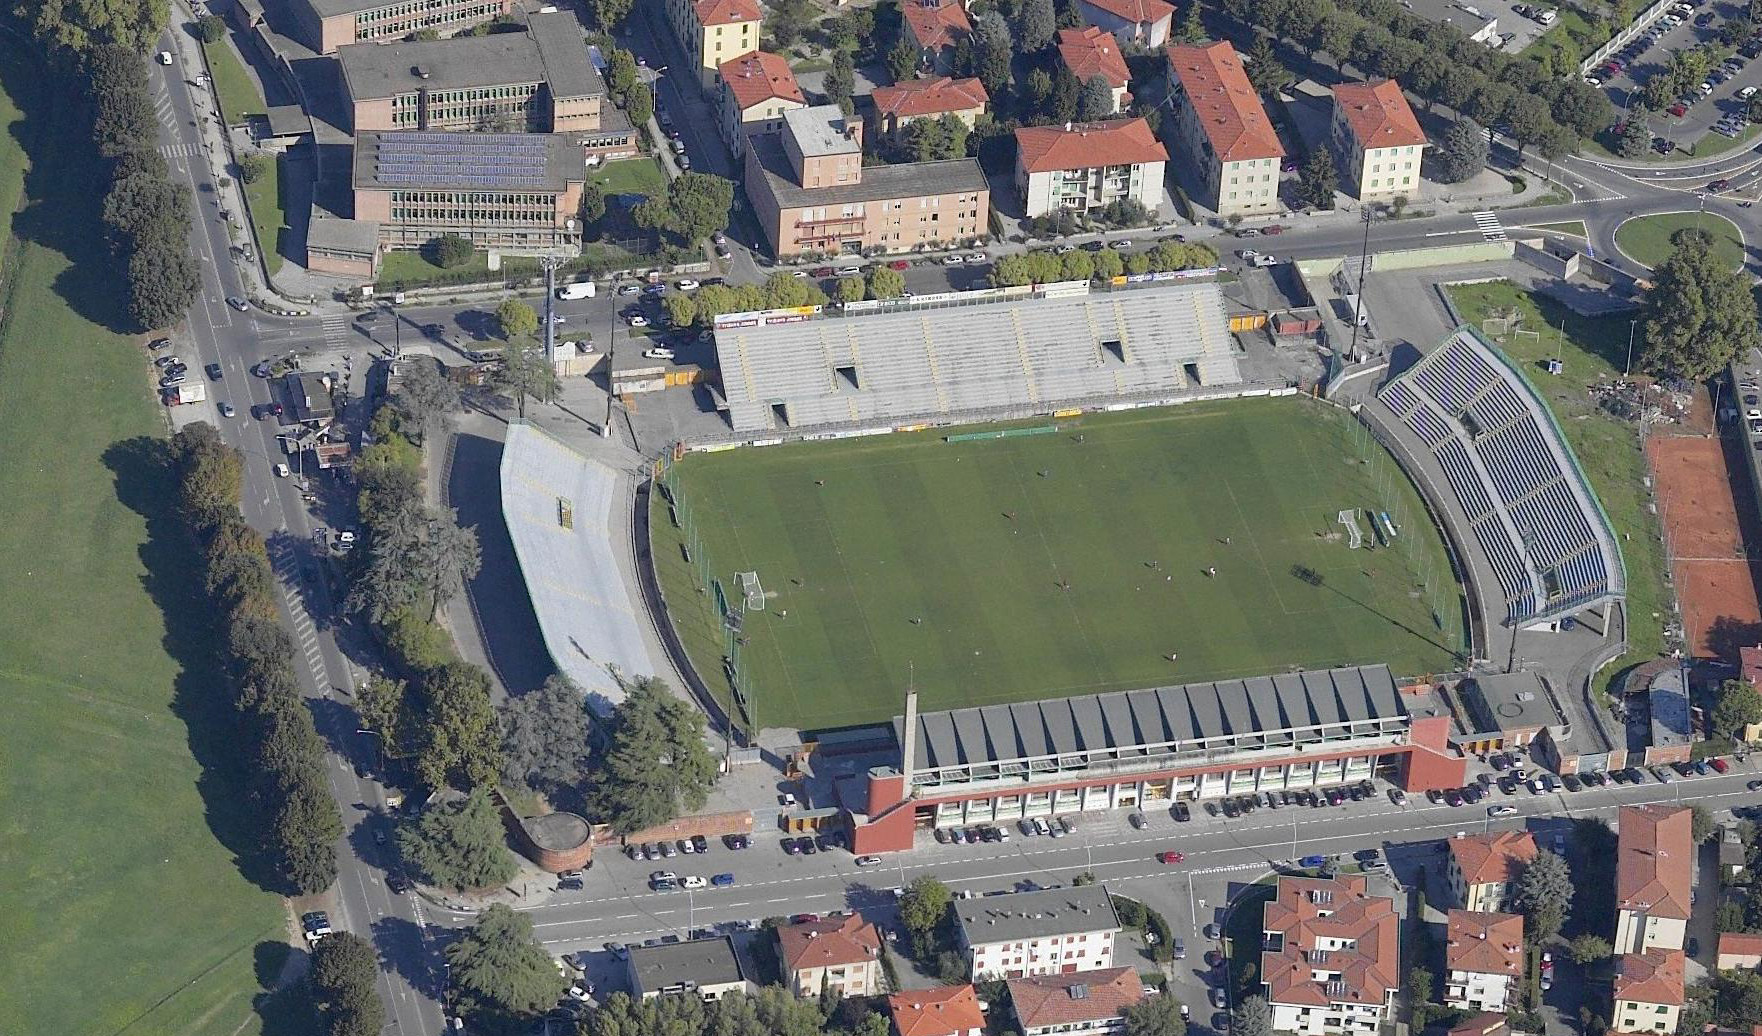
178	150
336	331
1489	226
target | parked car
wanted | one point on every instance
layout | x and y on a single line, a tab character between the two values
722	881
1170	856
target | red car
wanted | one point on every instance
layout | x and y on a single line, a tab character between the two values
822	271
1170	856
1719	764
899	264
1678	109
1274	229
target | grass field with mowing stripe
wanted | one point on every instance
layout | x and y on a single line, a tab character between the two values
1053	565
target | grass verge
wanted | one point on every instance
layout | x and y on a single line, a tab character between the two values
1057	564
239	96
1569	39
122	844
1646	239
268	214
1594	349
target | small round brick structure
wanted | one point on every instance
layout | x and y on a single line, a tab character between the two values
558	842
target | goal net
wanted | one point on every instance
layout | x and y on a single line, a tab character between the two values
752	594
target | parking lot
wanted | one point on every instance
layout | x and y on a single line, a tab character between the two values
1716	105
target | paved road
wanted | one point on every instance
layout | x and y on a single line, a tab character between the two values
216	333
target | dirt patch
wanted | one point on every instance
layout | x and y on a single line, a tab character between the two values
1706	521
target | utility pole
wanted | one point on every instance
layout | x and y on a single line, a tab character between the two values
1363	269
550	264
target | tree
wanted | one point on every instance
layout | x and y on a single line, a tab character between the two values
1318	181
497	963
1191	29
1633	139
926	140
461	738
681	309
1108	264
1701	825
211	28
254	166
1419	985
621	73
344	977
1738	706
525	372
1463	153
305	833
451	251
1699	314
1252	1018
544	736
1545	893
1095	102
1155	1016
841	82
458	845
146	212
516	318
383	706
447	557
924	904
695	206
1265	72
902	60
1036	89
639	104
82	25
424	397
1737	998
609	14
788	21
886	283
954	135
1036	25
784	292
851	289
656	765
1588	948
593	204
162	284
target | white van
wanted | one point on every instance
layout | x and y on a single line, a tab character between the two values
578	290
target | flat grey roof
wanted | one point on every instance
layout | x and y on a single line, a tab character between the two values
550	53
1669	704
504	162
817	130
1033	915
700	962
288	120
880	182
326	233
1124	721
1513	701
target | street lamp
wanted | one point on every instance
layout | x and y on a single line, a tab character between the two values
1631	324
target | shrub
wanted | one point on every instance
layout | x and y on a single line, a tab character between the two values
449	251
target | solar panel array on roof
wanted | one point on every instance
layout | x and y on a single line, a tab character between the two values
495	160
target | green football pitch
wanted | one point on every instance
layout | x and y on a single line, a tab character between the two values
1127	550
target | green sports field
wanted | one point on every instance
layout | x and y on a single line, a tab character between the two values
1051	565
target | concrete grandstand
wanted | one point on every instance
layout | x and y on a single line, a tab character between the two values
938	357
558	506
1528	504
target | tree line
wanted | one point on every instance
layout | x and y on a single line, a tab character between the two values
1043	266
278	742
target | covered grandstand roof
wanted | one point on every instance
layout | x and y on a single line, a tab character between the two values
943	356
1123	723
558	508
1526	499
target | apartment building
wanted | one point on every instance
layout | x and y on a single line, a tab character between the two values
538	81
1330	960
1654	875
935	27
1046	932
1144	22
1648	992
840	954
1483	870
1219	122
810	191
1377	142
1092	52
943	1011
902	104
714	31
515	191
325	25
1084	1004
1483	959
752	93
1082	166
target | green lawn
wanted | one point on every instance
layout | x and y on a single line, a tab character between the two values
123	909
1646	239
973	540
1608	449
631	176
268	214
1570	38
239	96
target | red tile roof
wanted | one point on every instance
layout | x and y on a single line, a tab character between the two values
929	97
935	1012
1139	12
757	77
936	23
1654	860
1307	910
1378	114
1086	145
724	12
1739	944
1652	977
1484	942
1072	999
1217	87
1092	52
1751	660
1489	858
1484	1024
829	943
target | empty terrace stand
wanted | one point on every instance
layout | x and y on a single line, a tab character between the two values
1514	477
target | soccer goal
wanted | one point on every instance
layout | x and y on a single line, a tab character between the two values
1354	535
752	594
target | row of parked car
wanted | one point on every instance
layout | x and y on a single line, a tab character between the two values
1239	805
666	850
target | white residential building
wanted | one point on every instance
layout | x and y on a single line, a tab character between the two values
1050	932
1483	958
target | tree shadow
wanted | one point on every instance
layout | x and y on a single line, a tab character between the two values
201	696
401	952
1728	634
